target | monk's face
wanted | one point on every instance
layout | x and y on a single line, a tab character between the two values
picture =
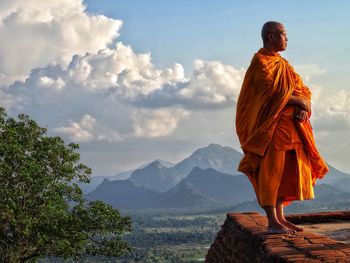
278	38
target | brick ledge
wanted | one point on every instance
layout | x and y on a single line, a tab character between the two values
243	238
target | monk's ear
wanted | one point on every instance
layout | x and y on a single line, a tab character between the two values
270	37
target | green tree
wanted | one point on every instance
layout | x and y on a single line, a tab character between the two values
42	209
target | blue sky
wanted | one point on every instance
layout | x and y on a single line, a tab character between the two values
229	31
132	81
226	30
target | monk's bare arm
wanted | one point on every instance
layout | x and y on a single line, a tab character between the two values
298	101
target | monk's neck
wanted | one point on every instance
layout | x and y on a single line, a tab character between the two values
270	51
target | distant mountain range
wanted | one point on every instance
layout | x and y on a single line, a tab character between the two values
186	195
333	176
225	188
207	179
221	158
158	177
201	189
97	180
124	194
327	198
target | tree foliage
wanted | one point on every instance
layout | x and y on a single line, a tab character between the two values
42	209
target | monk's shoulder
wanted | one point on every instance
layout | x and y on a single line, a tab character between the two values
287	63
261	64
257	62
291	69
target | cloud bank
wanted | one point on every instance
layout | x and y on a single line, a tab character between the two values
123	92
66	68
36	33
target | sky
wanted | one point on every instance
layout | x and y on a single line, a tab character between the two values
133	81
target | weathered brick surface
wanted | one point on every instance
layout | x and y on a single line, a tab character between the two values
321	217
243	238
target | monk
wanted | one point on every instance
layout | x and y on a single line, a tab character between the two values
272	123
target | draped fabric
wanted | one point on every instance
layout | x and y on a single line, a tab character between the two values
268	84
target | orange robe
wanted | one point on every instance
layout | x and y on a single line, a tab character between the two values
280	155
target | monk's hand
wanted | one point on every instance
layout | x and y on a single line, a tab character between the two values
301	115
304	105
300	102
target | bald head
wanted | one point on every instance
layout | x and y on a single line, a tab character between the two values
269	27
274	36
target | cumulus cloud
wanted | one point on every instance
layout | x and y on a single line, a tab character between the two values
130	97
332	110
121	71
156	123
211	85
89	89
36	33
87	129
308	71
80	131
124	91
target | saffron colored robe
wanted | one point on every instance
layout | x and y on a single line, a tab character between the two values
262	119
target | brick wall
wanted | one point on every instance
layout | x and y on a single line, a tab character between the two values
243	238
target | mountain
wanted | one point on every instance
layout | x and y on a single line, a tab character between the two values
220	158
96	180
155	176
166	163
225	188
195	194
343	184
202	189
327	198
327	193
124	194
162	162
185	195
161	178
196	183
333	176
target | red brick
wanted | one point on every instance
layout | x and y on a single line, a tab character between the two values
243	238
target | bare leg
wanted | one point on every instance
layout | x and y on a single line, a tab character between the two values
283	220
274	226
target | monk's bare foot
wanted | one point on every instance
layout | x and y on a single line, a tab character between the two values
291	225
279	229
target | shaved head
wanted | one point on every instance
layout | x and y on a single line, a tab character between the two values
274	36
269	27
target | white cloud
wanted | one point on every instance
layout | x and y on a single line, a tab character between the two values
125	92
36	33
80	131
212	85
75	79
49	83
156	123
331	110
87	129
121	70
308	71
